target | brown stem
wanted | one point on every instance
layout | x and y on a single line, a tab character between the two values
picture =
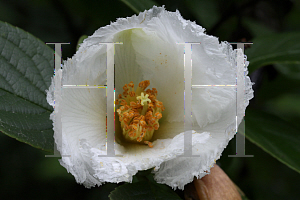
216	186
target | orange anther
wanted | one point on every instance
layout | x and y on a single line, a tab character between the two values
125	88
122	108
153	119
123	102
154	91
158	115
125	114
144	84
120	96
132	133
143	123
131	84
159	104
126	120
135	121
156	126
132	104
126	127
127	107
141	84
134	126
149	128
150	105
132	93
149	121
147	83
117	102
136	114
150	145
125	94
152	98
131	114
149	114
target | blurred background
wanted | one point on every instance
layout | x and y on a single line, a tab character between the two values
25	173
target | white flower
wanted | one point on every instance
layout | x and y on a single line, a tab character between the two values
149	52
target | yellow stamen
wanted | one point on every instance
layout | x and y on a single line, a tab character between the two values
139	113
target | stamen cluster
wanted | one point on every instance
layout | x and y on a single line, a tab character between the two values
139	113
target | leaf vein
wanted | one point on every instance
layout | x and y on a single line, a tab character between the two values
26	55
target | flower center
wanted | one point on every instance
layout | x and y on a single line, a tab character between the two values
139	113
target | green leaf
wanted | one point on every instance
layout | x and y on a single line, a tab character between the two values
274	136
81	41
256	28
275	48
284	85
143	190
105	191
206	12
26	68
142	175
140	5
144	172
289	70
286	107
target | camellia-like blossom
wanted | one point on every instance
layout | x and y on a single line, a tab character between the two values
149	85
